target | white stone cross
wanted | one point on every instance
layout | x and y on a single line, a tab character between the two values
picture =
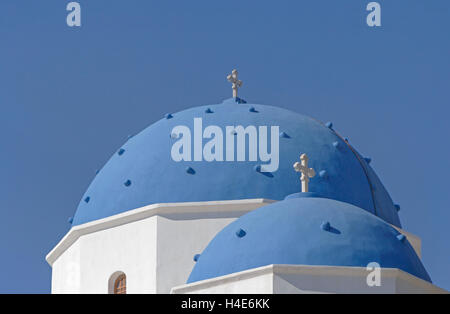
307	173
233	78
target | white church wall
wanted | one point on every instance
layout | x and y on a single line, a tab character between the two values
187	230
253	281
178	241
154	246
309	279
129	248
66	272
328	279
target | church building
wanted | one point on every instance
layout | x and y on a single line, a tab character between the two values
238	198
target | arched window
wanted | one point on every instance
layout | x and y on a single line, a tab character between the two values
120	286
117	283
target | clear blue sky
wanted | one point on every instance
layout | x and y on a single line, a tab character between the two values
70	97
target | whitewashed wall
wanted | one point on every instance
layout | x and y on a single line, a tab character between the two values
88	264
299	279
154	246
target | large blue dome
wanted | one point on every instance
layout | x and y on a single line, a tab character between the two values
142	172
306	231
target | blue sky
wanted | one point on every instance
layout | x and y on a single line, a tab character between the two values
69	97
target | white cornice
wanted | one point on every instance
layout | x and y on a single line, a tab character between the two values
310	270
75	232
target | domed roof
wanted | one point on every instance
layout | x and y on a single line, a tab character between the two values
142	171
306	231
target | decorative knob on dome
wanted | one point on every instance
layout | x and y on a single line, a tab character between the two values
306	172
233	79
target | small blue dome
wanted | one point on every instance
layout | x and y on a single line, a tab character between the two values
142	172
306	231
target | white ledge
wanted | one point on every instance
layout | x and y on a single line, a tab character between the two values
245	205
320	271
